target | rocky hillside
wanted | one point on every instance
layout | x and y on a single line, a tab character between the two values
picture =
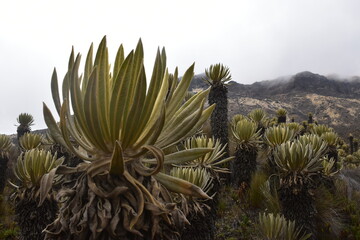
335	102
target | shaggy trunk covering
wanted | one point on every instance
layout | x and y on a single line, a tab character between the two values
219	120
243	167
32	219
3	168
297	204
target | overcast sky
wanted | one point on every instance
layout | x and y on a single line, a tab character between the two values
257	39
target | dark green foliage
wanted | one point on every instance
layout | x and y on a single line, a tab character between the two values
255	195
8	233
3	169
32	219
243	167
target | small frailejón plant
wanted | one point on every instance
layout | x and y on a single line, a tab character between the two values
202	225
277	135
297	128
273	137
317	143
320	129
247	138
276	227
310	118
30	141
299	163
259	116
5	147
35	204
211	161
281	115
236	118
331	138
120	128
198	176
25	121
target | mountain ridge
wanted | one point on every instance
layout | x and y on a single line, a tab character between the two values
331	100
301	82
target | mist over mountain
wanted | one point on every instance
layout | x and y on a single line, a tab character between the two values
303	82
332	100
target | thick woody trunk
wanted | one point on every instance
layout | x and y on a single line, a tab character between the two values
243	167
3	169
297	204
219	119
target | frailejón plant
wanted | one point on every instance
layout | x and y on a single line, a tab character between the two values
118	123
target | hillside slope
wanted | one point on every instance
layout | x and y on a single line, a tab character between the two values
333	102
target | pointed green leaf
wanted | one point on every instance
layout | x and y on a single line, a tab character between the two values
154	88
118	61
159	104
55	91
180	91
53	127
153	134
184	156
92	120
87	69
46	185
132	128
180	186
102	89
65	133
119	95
